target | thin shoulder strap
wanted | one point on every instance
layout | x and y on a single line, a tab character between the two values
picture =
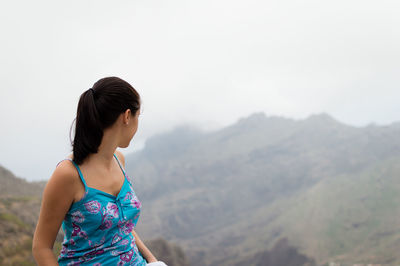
77	168
120	166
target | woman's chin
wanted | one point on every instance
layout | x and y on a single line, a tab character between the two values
123	145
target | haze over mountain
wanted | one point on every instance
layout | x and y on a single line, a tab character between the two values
263	191
329	189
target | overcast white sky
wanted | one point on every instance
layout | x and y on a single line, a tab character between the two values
207	63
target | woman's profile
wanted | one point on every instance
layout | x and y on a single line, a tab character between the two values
89	194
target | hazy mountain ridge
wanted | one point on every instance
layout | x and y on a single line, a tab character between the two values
263	189
19	208
14	186
234	183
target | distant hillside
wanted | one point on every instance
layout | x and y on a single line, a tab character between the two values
263	191
328	188
19	209
14	186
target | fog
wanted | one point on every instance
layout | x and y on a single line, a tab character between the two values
205	63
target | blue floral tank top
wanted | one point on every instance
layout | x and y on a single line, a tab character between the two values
97	228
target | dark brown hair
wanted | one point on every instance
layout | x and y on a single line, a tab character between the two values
98	108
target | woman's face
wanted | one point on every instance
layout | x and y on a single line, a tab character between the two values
130	129
134	122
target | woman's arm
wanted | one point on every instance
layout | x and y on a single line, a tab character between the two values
58	196
147	255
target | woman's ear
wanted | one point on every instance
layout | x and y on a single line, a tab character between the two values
126	116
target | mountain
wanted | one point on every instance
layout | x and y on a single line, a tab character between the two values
14	186
327	188
19	209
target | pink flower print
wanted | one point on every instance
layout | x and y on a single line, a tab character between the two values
93	206
98	250
133	199
136	249
116	253
63	250
71	242
136	216
77	231
70	253
120	263
83	234
126	256
92	254
112	209
125	227
105	221
77	217
105	225
97	244
74	263
137	204
116	239
132	243
97	264
125	242
128	196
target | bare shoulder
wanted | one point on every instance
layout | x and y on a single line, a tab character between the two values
65	179
66	170
121	157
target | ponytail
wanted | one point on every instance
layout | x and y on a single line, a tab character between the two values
98	108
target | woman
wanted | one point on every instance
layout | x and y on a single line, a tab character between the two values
89	192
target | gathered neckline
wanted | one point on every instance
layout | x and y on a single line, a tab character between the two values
108	194
98	192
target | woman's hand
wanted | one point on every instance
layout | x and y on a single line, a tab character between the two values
157	263
147	255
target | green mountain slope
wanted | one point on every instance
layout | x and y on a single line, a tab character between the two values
19	208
